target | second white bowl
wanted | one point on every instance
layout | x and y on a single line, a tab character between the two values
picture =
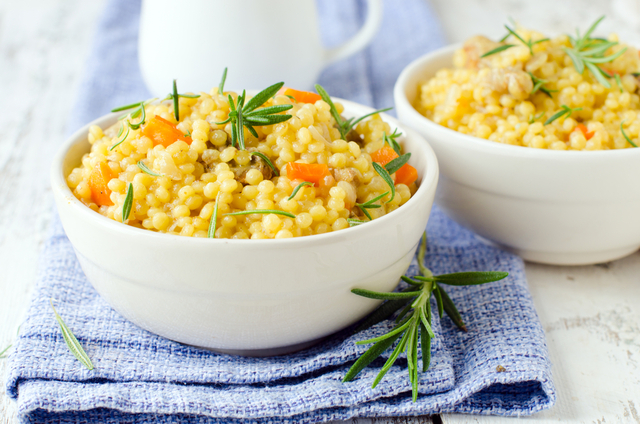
555	207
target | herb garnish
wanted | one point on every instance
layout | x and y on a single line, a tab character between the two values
619	82
72	343
128	203
626	137
386	177
263	211
529	43
414	321
175	97
565	110
498	49
397	163
222	81
587	51
390	139
344	125
214	216
123	138
370	204
538	84
250	116
267	161
533	118
146	170
355	222
298	187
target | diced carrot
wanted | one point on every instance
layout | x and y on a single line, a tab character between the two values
312	172
300	96
98	180
161	131
587	134
384	155
407	174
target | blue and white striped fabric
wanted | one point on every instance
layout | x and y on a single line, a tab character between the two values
499	367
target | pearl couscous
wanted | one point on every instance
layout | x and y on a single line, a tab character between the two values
173	178
515	92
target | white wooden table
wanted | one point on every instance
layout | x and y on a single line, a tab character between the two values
591	314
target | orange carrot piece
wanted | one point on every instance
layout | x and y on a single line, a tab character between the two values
300	96
161	131
98	180
407	174
312	172
583	128
384	155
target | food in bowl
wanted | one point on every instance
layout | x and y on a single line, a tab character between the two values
563	93
281	164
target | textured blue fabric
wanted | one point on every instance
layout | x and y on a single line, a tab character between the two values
140	377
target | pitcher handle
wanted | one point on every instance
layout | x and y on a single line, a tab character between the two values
362	38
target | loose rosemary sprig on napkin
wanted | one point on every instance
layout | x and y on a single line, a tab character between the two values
413	324
248	115
72	343
344	125
586	52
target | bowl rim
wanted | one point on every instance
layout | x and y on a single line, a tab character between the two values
415	70
59	185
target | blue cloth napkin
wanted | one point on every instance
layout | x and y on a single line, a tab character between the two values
499	367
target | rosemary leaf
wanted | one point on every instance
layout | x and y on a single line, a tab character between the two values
141	121
297	189
128	202
355	222
126	107
497	50
146	170
368	357
387	296
123	138
626	137
397	163
392	359
425	346
176	108
386	177
619	82
353	123
72	343
399	329
436	292
222	81
267	161
365	212
451	310
269	110
262	211
410	281
214	216
262	97
471	278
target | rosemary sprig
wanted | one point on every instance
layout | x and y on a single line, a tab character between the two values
565	110
390	139
355	222
250	116
267	161
214	216
175	96
297	189
72	343
530	43
397	163
222	81
533	118
370	204
146	169
498	49
262	211
538	84
414	322
344	125
121	139
626	137
382	171
585	52
128	203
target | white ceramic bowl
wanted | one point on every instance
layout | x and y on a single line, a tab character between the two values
251	297
554	207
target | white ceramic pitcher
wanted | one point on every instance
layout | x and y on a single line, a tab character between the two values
261	42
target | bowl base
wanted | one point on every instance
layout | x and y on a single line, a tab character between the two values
276	351
576	258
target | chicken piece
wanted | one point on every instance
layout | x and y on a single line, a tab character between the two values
345	174
514	81
473	48
256	163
